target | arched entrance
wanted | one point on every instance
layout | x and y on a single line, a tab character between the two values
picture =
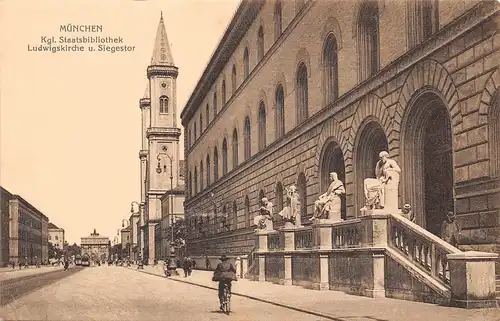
332	160
427	169
371	141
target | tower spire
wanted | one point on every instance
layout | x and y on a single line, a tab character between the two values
162	55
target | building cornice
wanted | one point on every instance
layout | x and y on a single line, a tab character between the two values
243	18
162	70
163	132
455	29
144	103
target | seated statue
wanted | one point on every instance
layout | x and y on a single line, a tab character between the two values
382	191
329	203
264	220
291	212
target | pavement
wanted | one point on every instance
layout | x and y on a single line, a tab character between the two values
332	305
6	274
117	293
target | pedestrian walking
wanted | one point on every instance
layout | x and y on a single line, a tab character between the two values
207	263
186	266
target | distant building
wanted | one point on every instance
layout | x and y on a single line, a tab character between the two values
126	241
5	197
95	246
28	232
56	236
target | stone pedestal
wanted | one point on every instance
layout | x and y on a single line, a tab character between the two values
288	233
262	267
374	228
472	277
322	233
378	287
288	269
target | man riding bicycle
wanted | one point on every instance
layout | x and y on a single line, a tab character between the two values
224	273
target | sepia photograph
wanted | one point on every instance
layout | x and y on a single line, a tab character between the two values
250	160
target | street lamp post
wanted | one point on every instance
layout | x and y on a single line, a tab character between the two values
172	266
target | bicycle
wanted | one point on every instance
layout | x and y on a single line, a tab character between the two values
226	303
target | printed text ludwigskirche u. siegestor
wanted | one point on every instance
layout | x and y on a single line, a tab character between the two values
68	44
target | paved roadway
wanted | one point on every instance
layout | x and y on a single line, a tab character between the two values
117	293
12	289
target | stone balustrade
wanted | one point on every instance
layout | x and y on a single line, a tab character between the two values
377	255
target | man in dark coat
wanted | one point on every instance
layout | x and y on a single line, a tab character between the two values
186	266
224	273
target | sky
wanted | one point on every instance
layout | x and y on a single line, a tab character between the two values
70	123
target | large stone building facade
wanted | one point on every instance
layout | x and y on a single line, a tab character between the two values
56	236
5	197
95	246
28	232
298	89
160	152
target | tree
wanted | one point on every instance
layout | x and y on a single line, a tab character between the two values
180	233
74	250
54	252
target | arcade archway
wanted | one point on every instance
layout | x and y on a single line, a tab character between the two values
427	171
332	160
371	141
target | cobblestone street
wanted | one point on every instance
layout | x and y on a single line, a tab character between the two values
116	293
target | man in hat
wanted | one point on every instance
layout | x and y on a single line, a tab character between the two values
450	229
224	273
408	213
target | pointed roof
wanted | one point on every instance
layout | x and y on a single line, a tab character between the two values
146	92
162	55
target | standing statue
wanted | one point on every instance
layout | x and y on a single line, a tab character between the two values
264	220
291	212
382	191
328	204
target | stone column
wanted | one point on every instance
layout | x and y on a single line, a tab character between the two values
262	267
261	236
472	277
374	233
288	246
324	283
151	243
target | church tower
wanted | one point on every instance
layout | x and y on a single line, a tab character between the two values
162	134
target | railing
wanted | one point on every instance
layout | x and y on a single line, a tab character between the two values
346	234
424	249
303	239
273	241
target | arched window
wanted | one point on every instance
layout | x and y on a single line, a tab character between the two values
190	184
247	212
224	216
216	164
224	157
422	20
195	133
235	216
235	148
201	175
277	20
279	196
208	170
494	134
163	105
301	187
207	112
280	112
223	92
233	79
195	180
215	104
246	64
247	139
262	126
368	39
330	69
302	94
201	123
189	138
260	43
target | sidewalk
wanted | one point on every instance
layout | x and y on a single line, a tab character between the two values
334	305
9	273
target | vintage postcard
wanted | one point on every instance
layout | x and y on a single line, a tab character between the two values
250	160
